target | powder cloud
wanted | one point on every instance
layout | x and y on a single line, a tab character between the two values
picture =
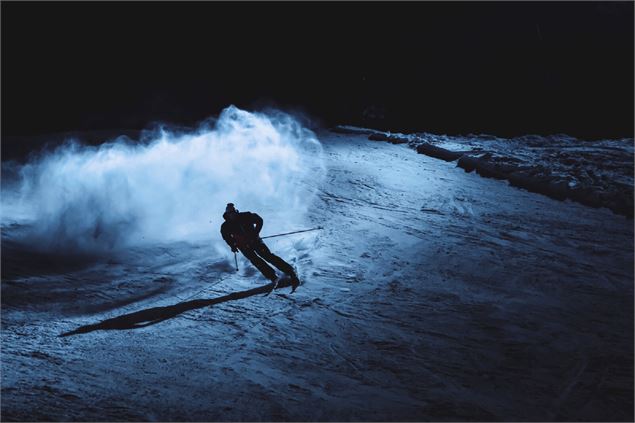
172	186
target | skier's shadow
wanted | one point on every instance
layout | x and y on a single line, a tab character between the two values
155	315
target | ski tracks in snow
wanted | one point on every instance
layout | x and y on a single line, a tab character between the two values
460	291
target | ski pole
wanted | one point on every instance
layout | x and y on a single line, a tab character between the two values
290	233
236	261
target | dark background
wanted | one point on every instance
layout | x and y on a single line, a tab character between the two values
500	68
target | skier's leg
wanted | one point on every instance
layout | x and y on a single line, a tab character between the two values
260	264
264	252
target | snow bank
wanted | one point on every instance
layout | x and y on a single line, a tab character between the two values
595	173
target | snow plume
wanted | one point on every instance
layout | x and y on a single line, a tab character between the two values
172	186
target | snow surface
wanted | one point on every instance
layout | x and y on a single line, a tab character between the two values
597	173
431	294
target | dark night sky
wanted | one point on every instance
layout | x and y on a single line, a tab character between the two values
500	68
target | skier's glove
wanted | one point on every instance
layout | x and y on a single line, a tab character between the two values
234	249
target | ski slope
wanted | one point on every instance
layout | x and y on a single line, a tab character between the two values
431	294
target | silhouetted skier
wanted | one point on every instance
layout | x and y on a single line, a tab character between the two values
241	231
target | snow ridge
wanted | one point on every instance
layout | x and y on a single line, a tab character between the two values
594	173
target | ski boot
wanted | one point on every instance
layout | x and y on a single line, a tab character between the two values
295	282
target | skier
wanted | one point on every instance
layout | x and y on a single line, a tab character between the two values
241	231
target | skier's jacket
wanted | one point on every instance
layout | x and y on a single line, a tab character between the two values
243	231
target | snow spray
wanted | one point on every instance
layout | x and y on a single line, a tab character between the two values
165	186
